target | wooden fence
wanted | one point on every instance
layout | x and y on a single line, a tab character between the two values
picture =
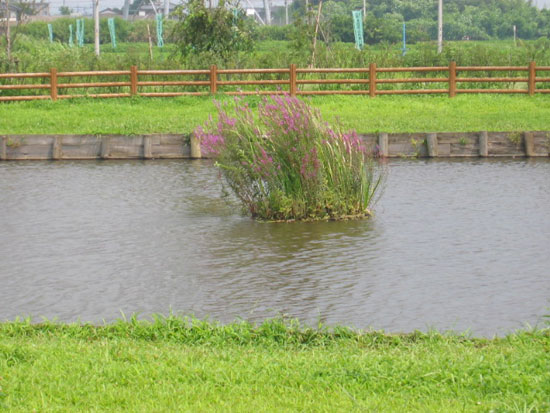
370	81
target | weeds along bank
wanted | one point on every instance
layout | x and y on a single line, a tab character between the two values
32	55
177	364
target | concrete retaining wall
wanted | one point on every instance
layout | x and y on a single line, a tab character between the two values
170	146
39	147
455	144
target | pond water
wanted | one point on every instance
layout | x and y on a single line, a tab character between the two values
454	245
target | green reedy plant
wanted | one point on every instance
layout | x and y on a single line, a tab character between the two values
417	145
10	143
288	164
515	138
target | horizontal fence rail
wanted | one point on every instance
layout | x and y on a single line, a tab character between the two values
372	81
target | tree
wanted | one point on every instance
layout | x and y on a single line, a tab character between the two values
23	9
221	31
477	19
65	11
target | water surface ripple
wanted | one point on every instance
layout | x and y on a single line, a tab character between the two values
461	245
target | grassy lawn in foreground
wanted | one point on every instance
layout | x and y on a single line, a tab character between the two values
276	367
181	115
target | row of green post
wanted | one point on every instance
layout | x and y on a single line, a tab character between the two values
112	32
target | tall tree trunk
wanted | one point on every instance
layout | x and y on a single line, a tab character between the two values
96	26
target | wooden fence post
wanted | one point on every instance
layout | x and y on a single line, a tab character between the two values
53	83
133	80
431	143
484	144
195	146
105	148
452	79
529	144
372	80
383	145
213	79
532	78
292	80
56	147
147	147
3	148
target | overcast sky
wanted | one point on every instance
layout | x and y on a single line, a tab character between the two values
80	5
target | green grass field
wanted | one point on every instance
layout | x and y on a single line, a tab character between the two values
277	367
181	115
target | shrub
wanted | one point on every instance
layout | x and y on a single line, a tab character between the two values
274	32
286	163
222	30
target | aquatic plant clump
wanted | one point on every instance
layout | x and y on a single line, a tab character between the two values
286	163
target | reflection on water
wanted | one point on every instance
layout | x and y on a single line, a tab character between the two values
453	245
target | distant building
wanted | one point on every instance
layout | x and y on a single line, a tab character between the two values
29	9
11	13
257	8
110	12
259	4
251	7
41	9
255	4
146	10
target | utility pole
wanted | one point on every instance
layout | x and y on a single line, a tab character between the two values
364	10
126	9
267	13
166	8
286	12
440	27
96	26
